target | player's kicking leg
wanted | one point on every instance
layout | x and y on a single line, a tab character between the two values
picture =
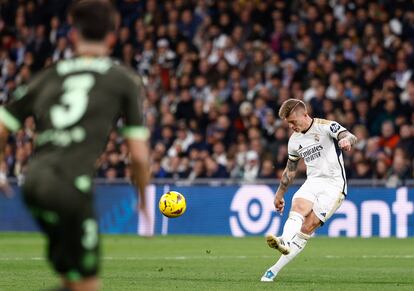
296	245
291	227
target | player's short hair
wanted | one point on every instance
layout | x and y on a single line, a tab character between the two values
289	106
93	19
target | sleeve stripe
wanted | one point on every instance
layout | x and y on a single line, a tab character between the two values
136	132
293	158
344	129
11	122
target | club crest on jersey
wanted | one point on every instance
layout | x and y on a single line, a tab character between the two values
316	137
334	127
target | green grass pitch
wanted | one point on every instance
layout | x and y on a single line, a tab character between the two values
219	263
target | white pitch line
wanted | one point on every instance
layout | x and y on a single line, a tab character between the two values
209	257
372	257
22	259
213	257
178	258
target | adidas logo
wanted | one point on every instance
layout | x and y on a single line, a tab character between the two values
300	146
323	214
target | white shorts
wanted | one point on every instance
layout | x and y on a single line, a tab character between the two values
325	196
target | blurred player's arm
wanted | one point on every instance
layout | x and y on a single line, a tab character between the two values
140	175
346	140
287	179
137	135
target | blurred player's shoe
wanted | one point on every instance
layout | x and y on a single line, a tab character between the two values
269	276
277	243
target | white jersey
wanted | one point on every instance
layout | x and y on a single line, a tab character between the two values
318	147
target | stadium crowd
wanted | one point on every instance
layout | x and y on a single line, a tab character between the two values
217	71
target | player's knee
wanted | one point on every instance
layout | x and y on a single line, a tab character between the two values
302	206
299	208
309	226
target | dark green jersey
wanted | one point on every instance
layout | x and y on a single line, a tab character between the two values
75	103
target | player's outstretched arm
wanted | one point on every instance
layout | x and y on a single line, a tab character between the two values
346	140
288	177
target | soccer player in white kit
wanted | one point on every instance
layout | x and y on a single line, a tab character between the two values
320	143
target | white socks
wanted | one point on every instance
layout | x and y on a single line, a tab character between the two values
292	226
294	238
297	244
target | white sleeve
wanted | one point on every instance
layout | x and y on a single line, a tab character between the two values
293	154
334	129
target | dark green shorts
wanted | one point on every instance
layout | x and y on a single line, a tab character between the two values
66	215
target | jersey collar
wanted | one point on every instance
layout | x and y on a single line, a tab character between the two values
306	130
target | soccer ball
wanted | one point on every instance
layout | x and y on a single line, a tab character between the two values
172	204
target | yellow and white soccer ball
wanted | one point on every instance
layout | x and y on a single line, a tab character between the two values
172	204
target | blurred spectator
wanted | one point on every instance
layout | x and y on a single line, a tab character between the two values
214	169
62	51
20	162
389	139
251	167
157	171
183	140
219	153
362	170
115	165
175	167
400	171
381	170
267	170
406	142
361	133
198	170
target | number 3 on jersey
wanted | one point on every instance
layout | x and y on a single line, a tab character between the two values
74	101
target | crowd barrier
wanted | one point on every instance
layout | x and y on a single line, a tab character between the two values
235	209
